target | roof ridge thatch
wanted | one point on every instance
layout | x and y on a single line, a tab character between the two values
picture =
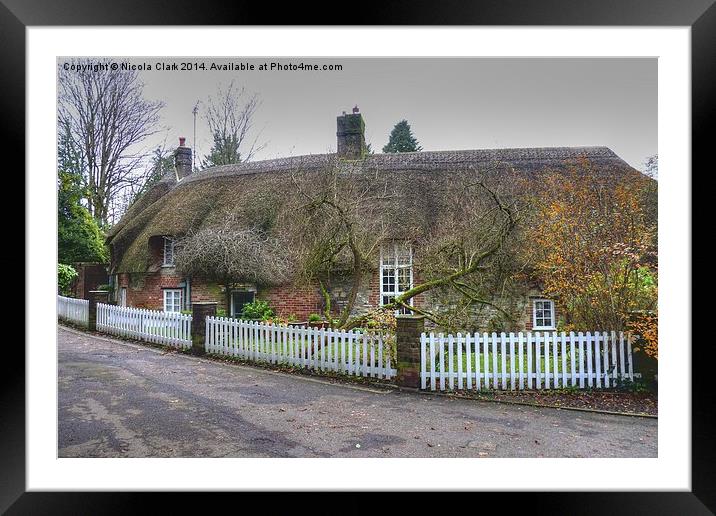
171	206
424	160
460	155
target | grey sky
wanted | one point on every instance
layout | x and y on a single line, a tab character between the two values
450	103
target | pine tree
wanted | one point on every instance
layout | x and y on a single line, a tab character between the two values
402	139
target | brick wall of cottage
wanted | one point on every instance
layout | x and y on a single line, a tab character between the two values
487	318
528	315
145	290
292	301
203	291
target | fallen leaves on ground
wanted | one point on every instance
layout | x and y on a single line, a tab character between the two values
608	401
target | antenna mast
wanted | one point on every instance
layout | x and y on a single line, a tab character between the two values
193	154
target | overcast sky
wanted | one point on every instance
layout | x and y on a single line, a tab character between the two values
456	103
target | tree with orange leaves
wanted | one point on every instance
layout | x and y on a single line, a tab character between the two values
592	247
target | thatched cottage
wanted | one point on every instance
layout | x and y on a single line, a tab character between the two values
267	195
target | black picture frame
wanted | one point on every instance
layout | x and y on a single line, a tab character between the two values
700	15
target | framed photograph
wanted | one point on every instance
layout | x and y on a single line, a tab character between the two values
433	246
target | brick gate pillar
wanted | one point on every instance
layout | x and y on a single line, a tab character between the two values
199	312
407	341
95	296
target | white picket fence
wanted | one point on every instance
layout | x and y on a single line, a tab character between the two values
170	328
540	360
75	310
347	352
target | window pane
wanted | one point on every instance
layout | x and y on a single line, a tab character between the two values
395	270
172	300
168	251
389	280
403	280
543	313
404	257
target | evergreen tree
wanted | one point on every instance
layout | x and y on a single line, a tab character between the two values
79	238
402	139
224	151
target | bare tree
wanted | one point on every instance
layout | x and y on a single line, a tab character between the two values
159	162
230	116
350	213
345	216
229	252
467	251
651	166
108	118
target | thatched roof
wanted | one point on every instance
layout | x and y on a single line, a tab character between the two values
174	207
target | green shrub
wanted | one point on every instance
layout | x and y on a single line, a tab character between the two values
627	385
258	309
314	318
65	275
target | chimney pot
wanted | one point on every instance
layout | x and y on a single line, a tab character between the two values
355	109
181	141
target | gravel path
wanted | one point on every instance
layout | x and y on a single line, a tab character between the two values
118	399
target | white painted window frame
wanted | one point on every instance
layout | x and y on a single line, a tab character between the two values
170	242
392	246
551	314
181	299
122	296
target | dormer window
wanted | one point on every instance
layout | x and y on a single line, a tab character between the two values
168	252
396	271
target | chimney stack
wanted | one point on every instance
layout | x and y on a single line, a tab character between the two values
351	137
182	159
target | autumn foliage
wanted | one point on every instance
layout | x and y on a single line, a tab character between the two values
646	327
592	247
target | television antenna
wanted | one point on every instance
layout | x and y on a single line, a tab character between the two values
193	154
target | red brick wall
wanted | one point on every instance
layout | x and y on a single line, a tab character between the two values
147	290
374	288
291	300
203	291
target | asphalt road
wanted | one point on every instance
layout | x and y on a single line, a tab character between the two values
118	399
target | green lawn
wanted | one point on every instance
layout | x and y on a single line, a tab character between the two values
508	367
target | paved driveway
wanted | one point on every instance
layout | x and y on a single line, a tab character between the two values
118	399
